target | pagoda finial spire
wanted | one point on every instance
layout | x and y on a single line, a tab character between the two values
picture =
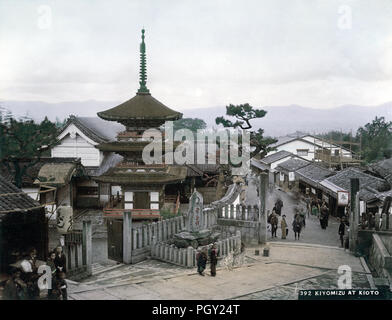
143	67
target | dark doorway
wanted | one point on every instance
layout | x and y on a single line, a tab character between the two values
141	200
115	239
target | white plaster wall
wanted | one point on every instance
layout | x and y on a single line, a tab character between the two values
75	144
31	192
116	189
293	146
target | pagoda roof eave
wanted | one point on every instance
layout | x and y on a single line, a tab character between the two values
130	146
172	175
141	107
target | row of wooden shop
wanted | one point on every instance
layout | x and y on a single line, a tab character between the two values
311	178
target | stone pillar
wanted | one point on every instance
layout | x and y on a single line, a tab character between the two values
127	237
134	238
238	240
162	251
145	236
139	237
149	234
231	216
189	257
383	222
87	246
377	221
171	254
164	230
263	188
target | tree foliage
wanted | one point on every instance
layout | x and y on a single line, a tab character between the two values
192	124
23	142
376	140
243	114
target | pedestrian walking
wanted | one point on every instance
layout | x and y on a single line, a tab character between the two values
201	261
213	259
283	225
342	228
308	205
274	224
324	212
297	225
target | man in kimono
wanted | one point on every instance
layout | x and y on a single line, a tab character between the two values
213	259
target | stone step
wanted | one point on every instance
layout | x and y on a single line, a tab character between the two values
98	268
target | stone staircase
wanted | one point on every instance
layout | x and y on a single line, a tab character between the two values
99	267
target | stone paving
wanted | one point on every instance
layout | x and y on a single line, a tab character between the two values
274	277
312	233
308	263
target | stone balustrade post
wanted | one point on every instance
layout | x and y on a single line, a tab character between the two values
189	257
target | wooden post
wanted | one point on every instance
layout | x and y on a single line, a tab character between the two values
127	237
87	246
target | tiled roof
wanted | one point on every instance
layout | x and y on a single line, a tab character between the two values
292	165
95	128
313	173
12	199
259	165
141	106
342	179
276	156
384	169
55	174
32	172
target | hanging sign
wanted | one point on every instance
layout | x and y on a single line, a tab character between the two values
343	198
291	176
281	177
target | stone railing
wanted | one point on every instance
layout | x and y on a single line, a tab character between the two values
146	235
186	257
239	212
231	195
143	236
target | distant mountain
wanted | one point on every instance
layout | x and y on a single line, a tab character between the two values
282	120
279	121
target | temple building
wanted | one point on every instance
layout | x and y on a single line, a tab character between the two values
133	184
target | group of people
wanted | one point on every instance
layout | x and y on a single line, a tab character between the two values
24	282
202	258
318	208
298	223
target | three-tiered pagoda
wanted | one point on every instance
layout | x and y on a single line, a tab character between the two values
142	185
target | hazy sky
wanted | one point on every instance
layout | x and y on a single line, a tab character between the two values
201	53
